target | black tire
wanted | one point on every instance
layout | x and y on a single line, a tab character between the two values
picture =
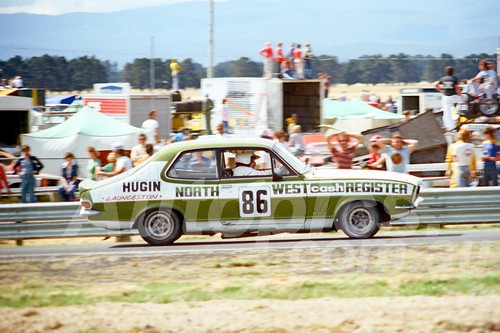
160	227
471	112
360	219
488	107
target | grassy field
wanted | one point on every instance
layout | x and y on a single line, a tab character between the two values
468	269
434	288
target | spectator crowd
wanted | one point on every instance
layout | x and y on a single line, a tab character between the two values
391	154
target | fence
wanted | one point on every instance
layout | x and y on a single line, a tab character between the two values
54	220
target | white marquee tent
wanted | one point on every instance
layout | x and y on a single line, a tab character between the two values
87	127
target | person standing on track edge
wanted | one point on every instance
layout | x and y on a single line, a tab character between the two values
28	166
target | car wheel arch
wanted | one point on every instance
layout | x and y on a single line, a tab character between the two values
147	210
380	206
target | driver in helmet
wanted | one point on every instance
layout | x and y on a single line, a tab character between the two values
245	166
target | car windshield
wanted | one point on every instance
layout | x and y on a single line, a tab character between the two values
294	162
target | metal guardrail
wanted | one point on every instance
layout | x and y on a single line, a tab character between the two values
55	220
425	167
456	206
49	220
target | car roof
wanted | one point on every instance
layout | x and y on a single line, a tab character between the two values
213	142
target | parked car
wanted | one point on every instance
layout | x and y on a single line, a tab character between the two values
192	188
316	152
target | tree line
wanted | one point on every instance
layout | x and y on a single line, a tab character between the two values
60	74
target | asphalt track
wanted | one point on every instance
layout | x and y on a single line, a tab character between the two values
271	243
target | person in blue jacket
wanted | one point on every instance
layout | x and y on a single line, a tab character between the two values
28	166
69	173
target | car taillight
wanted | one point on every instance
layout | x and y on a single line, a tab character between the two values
417	192
86	204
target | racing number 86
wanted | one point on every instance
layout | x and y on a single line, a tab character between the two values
254	202
248	204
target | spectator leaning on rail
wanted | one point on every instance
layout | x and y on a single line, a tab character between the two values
491	155
461	161
28	166
69	173
397	155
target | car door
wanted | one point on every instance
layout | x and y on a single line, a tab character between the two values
259	202
193	180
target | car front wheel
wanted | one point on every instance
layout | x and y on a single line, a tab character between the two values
160	227
360	220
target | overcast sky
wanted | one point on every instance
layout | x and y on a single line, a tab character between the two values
56	7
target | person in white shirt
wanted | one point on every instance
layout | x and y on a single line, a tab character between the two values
123	163
139	150
152	126
296	141
245	166
463	159
221	130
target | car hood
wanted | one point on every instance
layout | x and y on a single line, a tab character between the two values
324	173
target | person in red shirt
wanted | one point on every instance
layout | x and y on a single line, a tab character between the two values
298	62
374	160
278	52
267	53
3	180
344	149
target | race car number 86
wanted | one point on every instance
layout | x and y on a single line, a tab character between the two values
255	202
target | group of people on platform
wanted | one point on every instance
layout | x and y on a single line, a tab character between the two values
297	64
483	85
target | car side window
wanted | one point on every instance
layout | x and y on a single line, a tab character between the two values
198	164
283	169
231	168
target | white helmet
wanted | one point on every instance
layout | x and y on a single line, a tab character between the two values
245	158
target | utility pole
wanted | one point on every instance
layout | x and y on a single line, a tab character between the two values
152	65
498	59
210	69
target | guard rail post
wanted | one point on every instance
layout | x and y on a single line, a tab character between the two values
19	242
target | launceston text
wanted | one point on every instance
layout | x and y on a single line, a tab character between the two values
149	186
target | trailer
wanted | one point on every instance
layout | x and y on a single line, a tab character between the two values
15	113
116	100
419	100
257	104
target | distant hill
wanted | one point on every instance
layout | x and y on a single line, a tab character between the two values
343	29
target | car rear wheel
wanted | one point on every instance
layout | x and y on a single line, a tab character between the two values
360	219
160	227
